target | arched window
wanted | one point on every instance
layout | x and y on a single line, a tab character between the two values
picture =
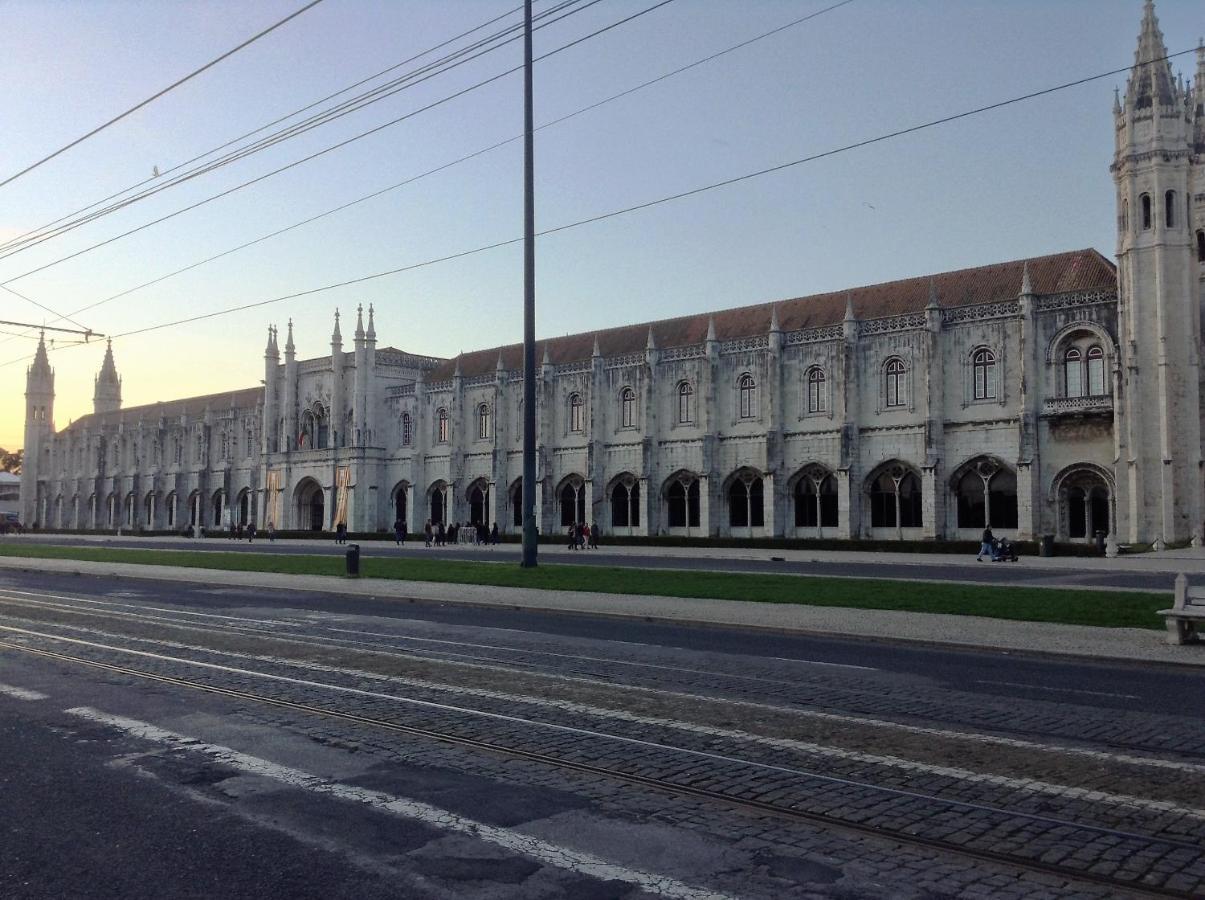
895	500
516	503
746	501
1125	216
625	503
1096	371
441	426
484	424
987	496
816	500
686	402
573	501
817	390
627	408
479	504
439	503
324	428
1073	372
1201	246
682	502
747	388
407	430
576	409
1146	212
1169	209
895	374
983	364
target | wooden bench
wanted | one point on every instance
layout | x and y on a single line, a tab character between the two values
1186	613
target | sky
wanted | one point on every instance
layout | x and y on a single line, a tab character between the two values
1026	180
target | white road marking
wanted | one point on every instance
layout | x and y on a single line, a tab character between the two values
508	839
1042	687
1105	756
20	693
142	606
895	762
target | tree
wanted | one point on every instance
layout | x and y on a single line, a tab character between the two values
10	461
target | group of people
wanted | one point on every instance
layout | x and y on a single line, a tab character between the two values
997	550
582	536
238	531
438	535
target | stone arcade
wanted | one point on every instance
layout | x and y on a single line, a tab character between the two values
1056	395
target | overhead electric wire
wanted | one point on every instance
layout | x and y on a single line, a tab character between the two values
21	237
473	155
381	92
669	198
333	147
42	306
157	95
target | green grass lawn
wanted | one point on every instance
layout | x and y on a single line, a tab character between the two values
1106	608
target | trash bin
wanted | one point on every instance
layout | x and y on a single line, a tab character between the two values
1100	542
1046	545
353	561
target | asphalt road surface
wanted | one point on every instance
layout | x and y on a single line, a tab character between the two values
1075	575
176	740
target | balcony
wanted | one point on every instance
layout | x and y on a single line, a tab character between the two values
1100	406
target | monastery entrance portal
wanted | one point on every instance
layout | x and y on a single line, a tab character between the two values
311	509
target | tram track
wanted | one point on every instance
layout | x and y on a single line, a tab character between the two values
1013	861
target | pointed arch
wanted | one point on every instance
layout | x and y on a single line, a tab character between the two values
896	498
681	494
814	492
571	499
985	493
624	494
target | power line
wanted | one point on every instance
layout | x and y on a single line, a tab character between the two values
331	148
20	238
476	153
156	96
42	306
381	92
640	206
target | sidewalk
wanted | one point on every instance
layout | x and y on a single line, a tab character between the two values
1130	644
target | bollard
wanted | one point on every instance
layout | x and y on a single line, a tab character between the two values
353	561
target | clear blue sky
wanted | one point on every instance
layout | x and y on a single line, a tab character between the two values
1027	180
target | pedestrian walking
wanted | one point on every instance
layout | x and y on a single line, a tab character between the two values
572	545
594	536
399	532
271	532
341	533
494	534
986	545
251	533
427	533
440	534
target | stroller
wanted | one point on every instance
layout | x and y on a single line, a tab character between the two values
1004	550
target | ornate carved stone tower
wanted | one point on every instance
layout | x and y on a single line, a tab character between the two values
39	426
107	394
1158	413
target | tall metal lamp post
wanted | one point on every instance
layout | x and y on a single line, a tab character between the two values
529	309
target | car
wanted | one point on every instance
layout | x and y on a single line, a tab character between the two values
10	523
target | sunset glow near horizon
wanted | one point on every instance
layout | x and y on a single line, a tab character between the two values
1027	180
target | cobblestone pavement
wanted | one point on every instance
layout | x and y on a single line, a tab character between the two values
540	764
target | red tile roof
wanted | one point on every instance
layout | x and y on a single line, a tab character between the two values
1077	270
246	398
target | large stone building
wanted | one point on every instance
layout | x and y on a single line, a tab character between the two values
1058	395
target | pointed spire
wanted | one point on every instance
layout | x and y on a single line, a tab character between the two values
457	373
360	322
596	353
710	329
108	369
547	356
289	348
774	326
932	304
1150	81
1116	101
500	368
270	350
651	343
107	395
336	335
41	362
1026	283
372	328
849	308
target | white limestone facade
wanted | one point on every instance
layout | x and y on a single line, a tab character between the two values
1056	395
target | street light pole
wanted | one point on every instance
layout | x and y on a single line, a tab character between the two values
529	307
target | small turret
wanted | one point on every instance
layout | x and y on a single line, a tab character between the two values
337	335
106	396
1026	283
39	428
372	328
359	336
290	350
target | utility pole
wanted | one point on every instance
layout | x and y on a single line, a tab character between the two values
529	307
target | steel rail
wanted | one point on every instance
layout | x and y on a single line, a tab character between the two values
1134	889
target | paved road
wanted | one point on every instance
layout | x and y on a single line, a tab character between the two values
941	570
185	740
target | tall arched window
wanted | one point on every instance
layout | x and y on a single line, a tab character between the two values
895	374
627	408
484	423
682	502
816	500
1169	209
747	389
895	500
817	390
1096	371
1146	212
625	503
324	427
441	426
576	410
573	501
407	430
1073	372
1125	216
983	364
1201	246
686	401
516	503
746	501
